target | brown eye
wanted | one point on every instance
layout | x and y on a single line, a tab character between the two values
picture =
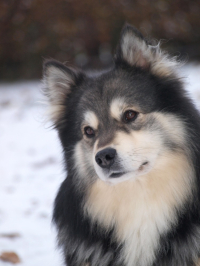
89	132
130	116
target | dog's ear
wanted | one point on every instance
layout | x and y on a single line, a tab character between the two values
59	82
136	51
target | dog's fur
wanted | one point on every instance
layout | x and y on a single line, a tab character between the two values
140	206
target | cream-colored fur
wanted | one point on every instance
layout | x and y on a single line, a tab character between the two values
136	52
58	83
90	119
140	205
140	146
140	210
118	106
82	162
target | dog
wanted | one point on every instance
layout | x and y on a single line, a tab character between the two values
131	143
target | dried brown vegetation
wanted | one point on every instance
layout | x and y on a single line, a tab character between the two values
86	31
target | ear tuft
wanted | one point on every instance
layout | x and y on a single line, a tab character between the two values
59	81
136	51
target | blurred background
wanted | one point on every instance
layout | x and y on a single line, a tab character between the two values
83	33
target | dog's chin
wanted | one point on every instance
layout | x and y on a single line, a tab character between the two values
115	177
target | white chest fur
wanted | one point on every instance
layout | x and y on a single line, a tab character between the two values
141	210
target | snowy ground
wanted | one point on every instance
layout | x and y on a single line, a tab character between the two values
31	171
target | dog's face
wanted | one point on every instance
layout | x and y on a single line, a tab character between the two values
115	125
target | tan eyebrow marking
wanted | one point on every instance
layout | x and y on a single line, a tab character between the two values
118	106
91	119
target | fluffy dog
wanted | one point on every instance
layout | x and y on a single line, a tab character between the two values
131	143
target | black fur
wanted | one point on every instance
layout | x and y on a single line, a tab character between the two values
177	247
68	212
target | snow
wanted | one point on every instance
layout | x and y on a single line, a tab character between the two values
31	171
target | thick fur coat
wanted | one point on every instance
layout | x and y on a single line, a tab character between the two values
131	144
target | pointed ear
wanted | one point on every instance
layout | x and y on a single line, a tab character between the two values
134	49
59	82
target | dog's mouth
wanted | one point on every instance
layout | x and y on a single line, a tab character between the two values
118	174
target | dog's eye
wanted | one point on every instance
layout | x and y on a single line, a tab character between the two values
130	116
89	132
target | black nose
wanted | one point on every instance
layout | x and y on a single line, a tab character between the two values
105	158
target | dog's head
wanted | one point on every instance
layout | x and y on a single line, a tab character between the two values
123	122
